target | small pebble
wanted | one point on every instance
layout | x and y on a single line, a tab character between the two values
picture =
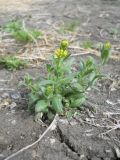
89	134
8	133
63	121
88	120
117	152
13	122
73	123
13	105
12	111
3	141
82	156
15	96
5	95
34	154
2	156
52	140
108	151
22	137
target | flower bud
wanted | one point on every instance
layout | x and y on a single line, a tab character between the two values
107	45
49	90
60	53
64	44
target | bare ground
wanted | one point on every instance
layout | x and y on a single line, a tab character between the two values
87	137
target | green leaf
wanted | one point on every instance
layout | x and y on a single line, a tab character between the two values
77	100
36	33
49	68
11	62
77	87
94	78
28	79
82	65
88	44
46	82
66	103
88	71
105	56
66	66
66	80
50	115
41	106
105	52
69	114
20	33
33	98
12	26
90	62
57	105
22	36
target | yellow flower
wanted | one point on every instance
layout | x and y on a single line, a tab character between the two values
64	53
60	53
108	45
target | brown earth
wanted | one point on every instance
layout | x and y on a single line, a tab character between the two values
81	138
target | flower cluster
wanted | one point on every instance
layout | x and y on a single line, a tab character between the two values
62	52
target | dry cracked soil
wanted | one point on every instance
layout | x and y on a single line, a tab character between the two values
95	133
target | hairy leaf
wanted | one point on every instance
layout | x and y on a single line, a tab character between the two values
57	105
41	106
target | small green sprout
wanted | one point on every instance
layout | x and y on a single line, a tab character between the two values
69	27
105	52
113	31
12	26
87	44
12	63
21	33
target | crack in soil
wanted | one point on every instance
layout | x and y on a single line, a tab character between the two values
65	140
90	155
